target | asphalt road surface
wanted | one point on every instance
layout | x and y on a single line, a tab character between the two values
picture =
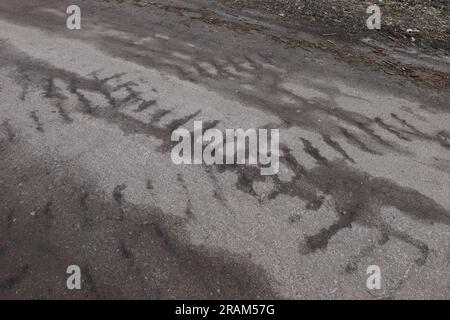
86	176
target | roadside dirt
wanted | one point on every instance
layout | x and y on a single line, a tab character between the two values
422	23
86	175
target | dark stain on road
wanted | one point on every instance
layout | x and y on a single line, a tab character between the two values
358	199
160	260
15	279
149	184
336	146
353	139
392	129
3	250
63	113
313	151
8	130
47	214
145	105
83	201
117	193
35	118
